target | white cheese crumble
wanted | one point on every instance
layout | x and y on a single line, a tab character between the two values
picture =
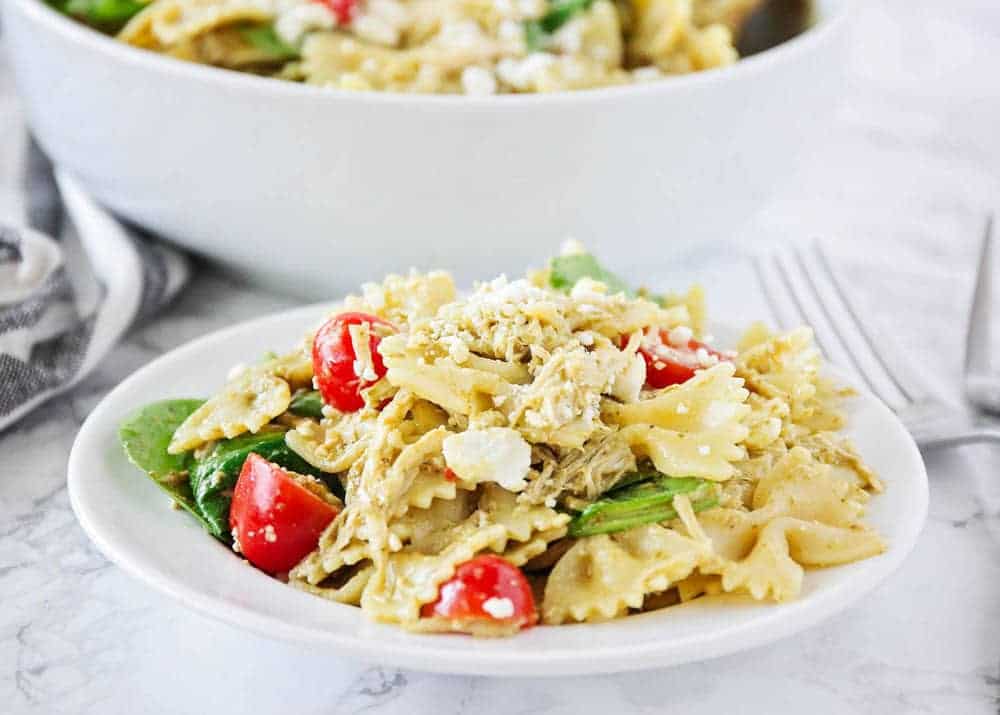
569	37
647	74
478	82
293	25
494	454
375	29
525	74
628	383
364	364
680	336
269	535
499	608
705	358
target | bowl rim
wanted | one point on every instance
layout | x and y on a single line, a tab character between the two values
832	18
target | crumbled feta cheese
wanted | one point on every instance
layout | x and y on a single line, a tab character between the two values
462	35
705	358
680	336
499	608
511	31
525	73
293	25
495	454
586	338
364	363
375	29
236	539
572	247
569	37
269	534
647	74
478	81
587	289
628	383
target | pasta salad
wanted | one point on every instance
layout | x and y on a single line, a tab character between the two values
476	47
555	449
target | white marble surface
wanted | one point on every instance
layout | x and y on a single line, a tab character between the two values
900	186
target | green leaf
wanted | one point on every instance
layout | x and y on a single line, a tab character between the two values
214	477
108	15
565	271
636	504
265	39
560	12
534	35
145	436
307	404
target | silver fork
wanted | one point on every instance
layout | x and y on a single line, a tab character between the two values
802	286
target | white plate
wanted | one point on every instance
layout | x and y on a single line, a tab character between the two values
130	521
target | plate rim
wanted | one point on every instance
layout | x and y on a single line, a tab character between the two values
784	620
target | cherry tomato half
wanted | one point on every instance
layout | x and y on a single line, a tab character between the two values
343	9
335	361
673	358
275	520
487	588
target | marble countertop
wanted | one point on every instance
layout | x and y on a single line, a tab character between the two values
901	186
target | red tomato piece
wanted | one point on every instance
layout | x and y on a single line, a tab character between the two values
335	361
275	520
343	9
673	361
485	589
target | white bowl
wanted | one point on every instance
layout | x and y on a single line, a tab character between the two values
306	188
129	519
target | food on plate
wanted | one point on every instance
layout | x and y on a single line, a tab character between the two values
475	47
556	449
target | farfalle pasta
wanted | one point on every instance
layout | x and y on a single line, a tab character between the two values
559	448
473	47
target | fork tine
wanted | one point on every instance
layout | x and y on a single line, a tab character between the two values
891	364
801	290
769	296
978	342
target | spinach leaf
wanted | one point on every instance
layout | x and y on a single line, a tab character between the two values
565	271
145	436
307	404
560	12
265	39
110	15
636	504
213	478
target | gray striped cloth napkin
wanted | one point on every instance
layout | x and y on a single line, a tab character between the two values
72	282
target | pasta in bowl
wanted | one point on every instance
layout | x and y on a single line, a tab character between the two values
559	449
476	47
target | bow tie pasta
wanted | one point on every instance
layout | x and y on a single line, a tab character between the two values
446	462
474	47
